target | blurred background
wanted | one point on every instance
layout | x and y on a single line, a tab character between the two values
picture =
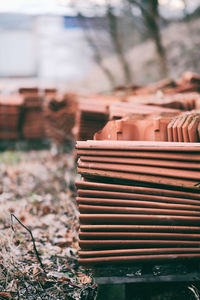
96	45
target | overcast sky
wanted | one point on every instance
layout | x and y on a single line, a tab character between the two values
65	7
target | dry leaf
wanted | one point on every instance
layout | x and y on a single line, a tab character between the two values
85	279
5	295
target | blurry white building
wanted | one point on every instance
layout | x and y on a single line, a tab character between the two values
18	55
47	47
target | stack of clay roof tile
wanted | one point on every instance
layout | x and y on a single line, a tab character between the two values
50	91
33	124
184	127
154	104
28	90
10	109
60	115
162	85
92	114
188	82
119	110
138	201
186	101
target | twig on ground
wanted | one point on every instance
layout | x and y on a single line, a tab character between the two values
194	291
33	240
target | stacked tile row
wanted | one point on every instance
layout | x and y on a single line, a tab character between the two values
138	201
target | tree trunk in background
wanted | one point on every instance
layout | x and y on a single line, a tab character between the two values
97	54
117	43
152	21
195	47
150	13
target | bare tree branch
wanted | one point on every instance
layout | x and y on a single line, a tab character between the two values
117	43
33	240
97	54
149	10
